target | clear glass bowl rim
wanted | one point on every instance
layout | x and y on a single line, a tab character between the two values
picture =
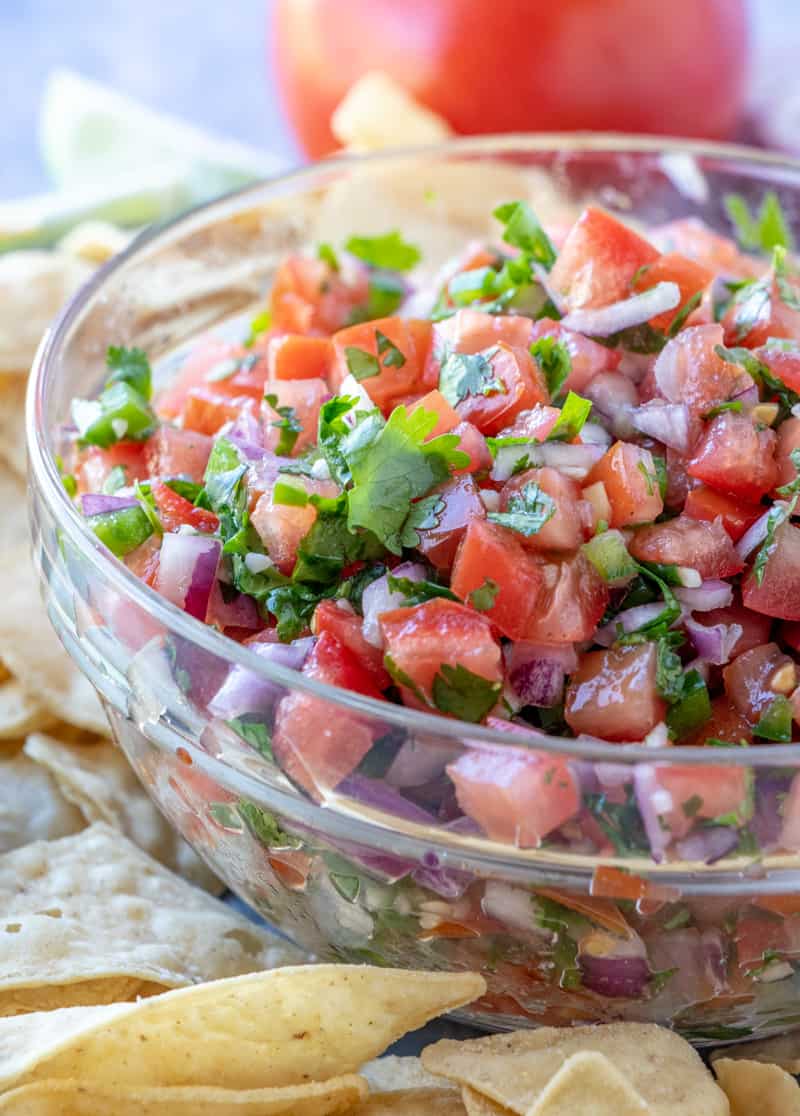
45	475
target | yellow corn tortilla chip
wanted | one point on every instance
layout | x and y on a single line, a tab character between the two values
12	421
13	498
20	712
588	1084
94	242
32	808
31	650
394	1072
757	1089
377	112
412	1102
90	919
514	1070
98	779
285	1027
783	1051
73	1098
477	1104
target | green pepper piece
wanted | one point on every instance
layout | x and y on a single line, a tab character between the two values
122	531
120	413
776	721
692	709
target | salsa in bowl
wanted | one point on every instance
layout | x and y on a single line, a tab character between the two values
472	528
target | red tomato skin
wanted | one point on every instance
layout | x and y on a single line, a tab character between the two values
775	319
778	594
447	419
613	694
448	55
784	365
690	276
599	260
564	530
788	440
318	744
572	603
172	452
174	511
294	356
735	458
95	464
473	444
631	483
707	504
462	504
488	550
206	411
346	627
516	795
696	373
420	639
515	369
393	384
588	357
535	424
472	331
747	679
702	546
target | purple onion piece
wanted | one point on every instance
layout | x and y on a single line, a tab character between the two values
713	643
646	791
253	451
615	977
96	503
380	796
714	957
243	691
538	682
708	845
246	428
766	822
379	598
203	575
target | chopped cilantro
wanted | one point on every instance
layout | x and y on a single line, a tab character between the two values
255	733
402	679
678	322
650	477
621	822
483	598
574	413
130	366
389	251
265	827
472	286
643	339
669	668
787	288
763	375
423	515
258	325
115	480
148	505
288	424
392	356
523	231
416	592
733	405
360	364
463	694
331	544
528	510
465	374
327	254
766	230
553	358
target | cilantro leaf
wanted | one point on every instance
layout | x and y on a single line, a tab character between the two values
523	231
483	598
360	364
787	288
462	694
258	325
417	592
392	356
327	254
465	374
763	375
224	492
528	510
574	413
331	431
130	366
669	669
288	424
423	514
330	544
255	733
389	251
265	827
553	358
678	322
766	230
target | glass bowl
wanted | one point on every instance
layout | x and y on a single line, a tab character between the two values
606	919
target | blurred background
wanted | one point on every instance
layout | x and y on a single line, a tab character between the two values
212	64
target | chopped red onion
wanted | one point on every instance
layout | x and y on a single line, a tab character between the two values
756	534
187	571
246	428
630	619
707	596
538	682
378	598
708	845
240	611
418	762
633	311
666	422
770	793
263	471
621	973
612	776
648	795
713	643
243	691
614	398
96	503
747	393
378	795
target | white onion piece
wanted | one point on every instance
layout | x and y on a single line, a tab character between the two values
711	594
614	397
511	906
682	169
351	387
633	311
574	461
556	297
593	434
630	619
756	534
378	598
666	422
657	737
653	801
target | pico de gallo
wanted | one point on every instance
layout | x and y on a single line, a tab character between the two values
553	491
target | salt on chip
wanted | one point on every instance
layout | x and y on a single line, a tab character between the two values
73	1098
90	919
757	1088
515	1070
394	1072
588	1084
31	650
289	1026
32	808
98	779
377	113
783	1051
412	1102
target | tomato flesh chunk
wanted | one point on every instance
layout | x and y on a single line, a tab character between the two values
172	452
748	679
707	504
696	544
736	458
564	530
779	592
461	504
613	694
399	346
572	603
631	482
599	260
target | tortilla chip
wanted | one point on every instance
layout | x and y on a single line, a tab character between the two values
783	1051
31	650
588	1084
412	1102
757	1089
32	808
392	1072
90	919
72	1098
12	421
477	1104
94	242
285	1027
20	712
515	1070
98	779
377	113
13	500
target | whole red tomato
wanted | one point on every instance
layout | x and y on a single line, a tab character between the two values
675	68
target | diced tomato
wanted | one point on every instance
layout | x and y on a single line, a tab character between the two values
206	410
629	475
690	371
462	504
516	795
690	276
514	369
564	529
305	397
749	679
95	464
347	628
755	627
750	321
535	424
316	743
309	296
489	551
598	260
402	358
172	452
784	364
208	354
790	829
736	458
574	599
692	238
726	723
251	377
423	638
789	633
473	331
699	545
701	792
294	356
679	483
174	511
788	441
613	693
779	592
473	444
447	418
708	504
474	256
588	357
282	527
